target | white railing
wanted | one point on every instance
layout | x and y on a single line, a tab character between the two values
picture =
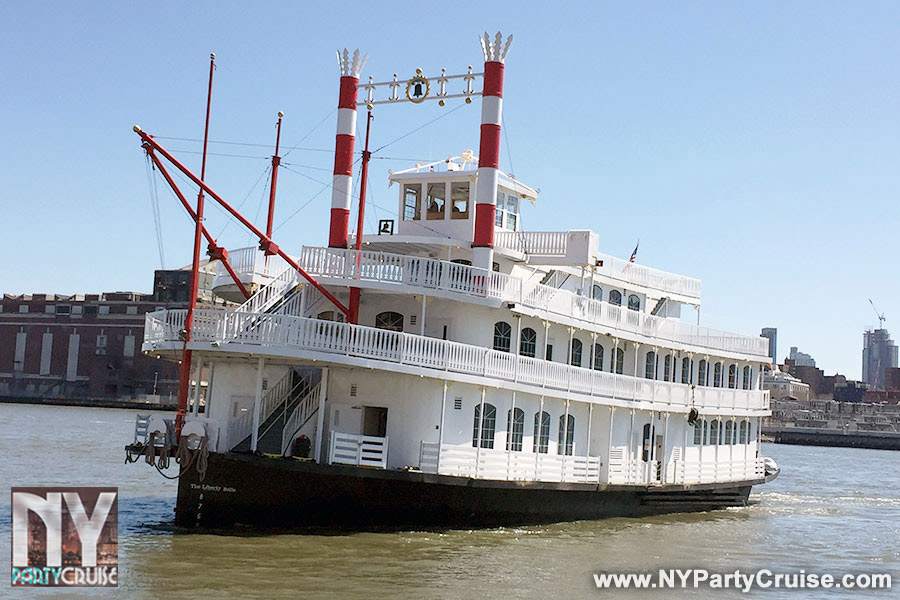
250	261
270	293
358	450
306	407
332	337
535	243
465	461
239	428
642	275
402	269
623	470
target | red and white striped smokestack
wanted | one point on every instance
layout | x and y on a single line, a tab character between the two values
489	152
343	148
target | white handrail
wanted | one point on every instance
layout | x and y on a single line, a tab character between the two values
332	337
307	406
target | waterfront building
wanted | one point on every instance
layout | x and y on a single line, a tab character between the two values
783	385
801	359
771	334
879	353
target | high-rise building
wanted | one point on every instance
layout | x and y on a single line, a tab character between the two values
771	334
879	353
801	359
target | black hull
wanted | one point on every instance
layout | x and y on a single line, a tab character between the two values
252	492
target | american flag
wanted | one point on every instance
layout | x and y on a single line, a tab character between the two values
634	254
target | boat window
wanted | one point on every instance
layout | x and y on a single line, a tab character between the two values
502	336
598	357
620	361
615	297
436	201
528	342
705	432
729	433
650	366
486	425
548	352
746	378
717	375
459	198
667	367
392	321
597	293
498	213
732	376
566	440
575	355
462	261
698	432
685	370
714	433
702	378
515	430
541	432
512	212
749	432
327	315
634	303
412	201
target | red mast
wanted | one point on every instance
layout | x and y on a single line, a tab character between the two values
185	374
276	160
366	155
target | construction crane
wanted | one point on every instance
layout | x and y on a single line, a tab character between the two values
880	316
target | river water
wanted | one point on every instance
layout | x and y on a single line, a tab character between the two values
832	510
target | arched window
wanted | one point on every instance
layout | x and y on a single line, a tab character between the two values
729	432
566	439
462	261
705	432
702	378
327	315
634	303
619	366
698	432
541	432
686	370
575	355
615	297
713	433
717	375
486	425
502	336
732	376
743	432
515	430
667	367
750	439
597	292
598	357
528	342
392	321
650	366
745	383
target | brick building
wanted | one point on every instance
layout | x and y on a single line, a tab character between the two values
87	346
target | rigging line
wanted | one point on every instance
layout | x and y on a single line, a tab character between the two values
416	222
179	151
329	169
154	208
238	207
506	140
423	126
317	180
304	205
328	116
248	144
262	200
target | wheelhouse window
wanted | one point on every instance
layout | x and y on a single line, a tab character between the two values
502	336
459	200
597	292
615	297
566	441
412	201
498	212
528	342
745	380
732	376
485	426
634	303
392	321
575	355
541	432
619	366
701	373
512	212
650	366
436	201
515	427
598	357
717	375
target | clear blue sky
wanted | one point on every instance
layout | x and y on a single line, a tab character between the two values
754	146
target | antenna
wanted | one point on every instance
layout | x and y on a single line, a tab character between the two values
880	316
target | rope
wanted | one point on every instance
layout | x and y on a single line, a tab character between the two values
184	456
420	127
154	208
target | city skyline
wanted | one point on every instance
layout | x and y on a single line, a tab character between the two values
738	151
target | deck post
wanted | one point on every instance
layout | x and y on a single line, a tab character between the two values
480	433
320	419
422	318
612	416
537	438
257	402
441	427
511	425
631	466
194	409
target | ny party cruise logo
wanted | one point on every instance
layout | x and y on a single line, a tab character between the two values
65	537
